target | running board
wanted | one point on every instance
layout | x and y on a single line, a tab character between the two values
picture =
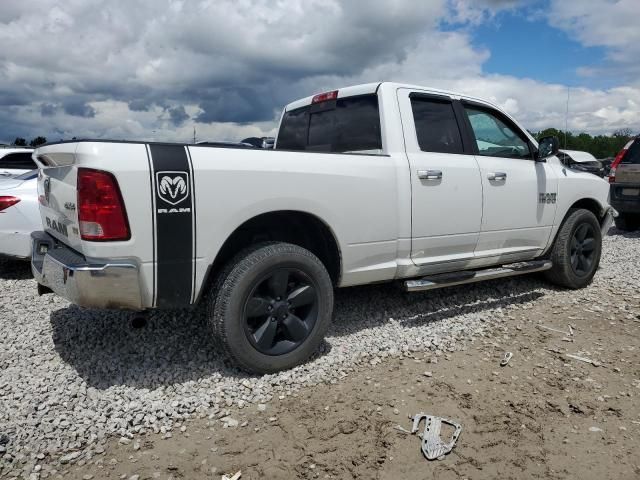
471	276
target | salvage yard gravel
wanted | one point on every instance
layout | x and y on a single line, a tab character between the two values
70	378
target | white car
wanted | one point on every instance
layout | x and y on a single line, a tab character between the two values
15	161
19	214
372	183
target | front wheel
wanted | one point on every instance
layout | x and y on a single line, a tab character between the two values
576	251
271	307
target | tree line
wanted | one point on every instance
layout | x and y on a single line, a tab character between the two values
22	142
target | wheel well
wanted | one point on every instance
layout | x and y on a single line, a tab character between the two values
298	228
589	204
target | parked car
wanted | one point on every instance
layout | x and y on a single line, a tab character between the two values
624	178
582	161
606	164
366	184
260	142
227	144
19	214
15	161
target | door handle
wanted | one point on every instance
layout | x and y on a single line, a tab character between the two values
498	176
429	174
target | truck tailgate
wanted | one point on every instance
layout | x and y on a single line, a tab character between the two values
57	193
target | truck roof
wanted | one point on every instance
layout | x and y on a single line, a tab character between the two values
369	88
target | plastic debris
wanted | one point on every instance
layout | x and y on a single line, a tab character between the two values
506	358
433	447
235	477
583	359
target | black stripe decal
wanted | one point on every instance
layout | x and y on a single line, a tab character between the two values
174	219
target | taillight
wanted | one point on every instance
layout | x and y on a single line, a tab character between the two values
325	97
101	211
7	201
617	160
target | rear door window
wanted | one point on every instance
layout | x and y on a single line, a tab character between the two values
436	126
350	124
17	161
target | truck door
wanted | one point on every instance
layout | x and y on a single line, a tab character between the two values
445	180
519	194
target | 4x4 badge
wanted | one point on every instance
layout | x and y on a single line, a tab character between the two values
173	187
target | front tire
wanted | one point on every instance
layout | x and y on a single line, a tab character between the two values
271	307
576	251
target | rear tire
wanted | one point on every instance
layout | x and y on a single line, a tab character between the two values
576	251
271	307
627	222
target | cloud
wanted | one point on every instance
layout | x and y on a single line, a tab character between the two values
78	108
178	115
155	69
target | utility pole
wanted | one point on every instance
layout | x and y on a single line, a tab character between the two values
566	119
194	135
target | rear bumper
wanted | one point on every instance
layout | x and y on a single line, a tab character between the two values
626	206
87	282
624	203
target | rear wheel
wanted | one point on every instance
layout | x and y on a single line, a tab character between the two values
628	222
576	252
271	307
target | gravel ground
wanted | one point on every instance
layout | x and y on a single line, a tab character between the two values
71	377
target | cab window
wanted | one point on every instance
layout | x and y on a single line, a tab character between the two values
350	124
494	137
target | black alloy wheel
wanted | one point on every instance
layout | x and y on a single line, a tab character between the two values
281	311
576	251
271	306
583	248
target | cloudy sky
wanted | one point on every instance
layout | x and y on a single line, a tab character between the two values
155	69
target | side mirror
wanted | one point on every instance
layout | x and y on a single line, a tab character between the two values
547	147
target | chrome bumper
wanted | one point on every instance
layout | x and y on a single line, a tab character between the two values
607	220
86	282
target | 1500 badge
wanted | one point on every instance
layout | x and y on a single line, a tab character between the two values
57	226
547	197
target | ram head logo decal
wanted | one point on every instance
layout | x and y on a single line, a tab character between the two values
173	187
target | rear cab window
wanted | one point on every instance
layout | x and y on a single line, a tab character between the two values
345	125
17	161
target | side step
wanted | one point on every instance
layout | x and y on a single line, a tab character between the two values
471	276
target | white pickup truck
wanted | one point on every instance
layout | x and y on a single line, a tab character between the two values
371	183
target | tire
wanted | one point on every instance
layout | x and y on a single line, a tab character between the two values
569	270
257	332
627	222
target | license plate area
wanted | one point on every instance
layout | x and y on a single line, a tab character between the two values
631	192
